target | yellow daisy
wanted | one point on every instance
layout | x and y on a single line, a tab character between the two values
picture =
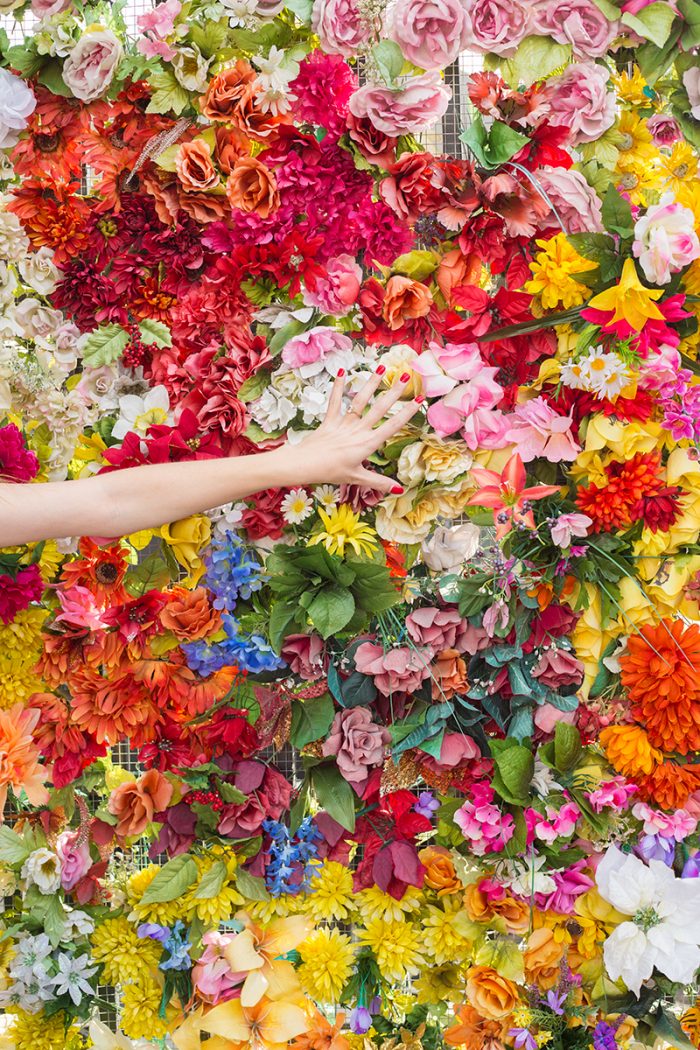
631	88
679	167
397	947
342	529
330	896
635	138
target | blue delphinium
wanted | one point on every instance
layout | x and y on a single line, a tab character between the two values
176	947
291	857
232	572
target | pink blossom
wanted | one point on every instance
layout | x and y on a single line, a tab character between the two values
691	83
394	670
582	102
677	825
336	292
161	20
558	667
430	33
570	884
304	653
537	430
580	23
612	794
436	628
576	203
660	368
547	715
664	129
665	240
212	976
482	823
556	823
456	748
310	348
79	607
451	412
357	743
418	104
485	428
75	858
497	26
340	26
443	367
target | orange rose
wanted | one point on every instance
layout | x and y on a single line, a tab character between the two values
135	803
456	270
194	166
515	914
493	996
476	903
230	145
449	673
227	91
253	122
440	872
189	614
203	207
405	300
252	187
542	958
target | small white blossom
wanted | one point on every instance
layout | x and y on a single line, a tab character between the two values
42	869
297	506
72	976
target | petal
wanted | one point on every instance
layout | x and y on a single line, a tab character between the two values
254	987
284	935
229	1020
514	473
281	1022
241	953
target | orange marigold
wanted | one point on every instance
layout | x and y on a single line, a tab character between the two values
669	785
661	671
629	751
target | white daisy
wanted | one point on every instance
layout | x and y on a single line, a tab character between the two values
327	496
296	506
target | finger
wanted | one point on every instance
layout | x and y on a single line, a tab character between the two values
383	403
382	434
364	394
369	479
336	399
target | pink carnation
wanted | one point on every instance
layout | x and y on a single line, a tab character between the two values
580	23
582	102
538	431
419	103
357	743
16	593
576	203
482	823
399	670
430	33
17	463
497	25
336	292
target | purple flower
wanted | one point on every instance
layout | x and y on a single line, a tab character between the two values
426	805
555	1001
154	932
691	868
360	1020
656	847
523	1038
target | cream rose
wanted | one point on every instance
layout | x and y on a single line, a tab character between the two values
433	460
90	67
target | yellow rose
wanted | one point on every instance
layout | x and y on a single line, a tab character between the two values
648	549
590	467
682	470
590	641
685	531
636	607
403	519
398	360
185	539
666	590
623	439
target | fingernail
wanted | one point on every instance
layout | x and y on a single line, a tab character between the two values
381	370
341	373
405	377
397	490
420	399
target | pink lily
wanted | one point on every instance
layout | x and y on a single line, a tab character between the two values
507	495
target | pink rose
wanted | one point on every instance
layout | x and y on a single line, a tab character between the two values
580	23
537	430
17	103
443	367
90	67
340	26
582	102
436	628
47	8
357	743
304	653
430	33
485	428
456	749
75	858
665	240
664	129
451	412
496	25
419	103
399	670
269	795
576	203
558	667
310	348
336	292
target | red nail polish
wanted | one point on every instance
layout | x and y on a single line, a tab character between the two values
381	370
420	399
405	377
341	373
397	490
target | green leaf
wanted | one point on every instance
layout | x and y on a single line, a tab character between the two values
493	148
105	345
254	387
514	770
653	22
168	95
13	851
302	9
690	9
617	213
502	955
567	747
283	617
173	879
283	335
208	38
152	572
593	246
155	332
54	920
51	76
251	886
536	58
609	9
230	794
311	719
389	60
331	610
24	58
334	794
212	881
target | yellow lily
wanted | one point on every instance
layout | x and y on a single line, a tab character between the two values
266	1026
257	952
628	301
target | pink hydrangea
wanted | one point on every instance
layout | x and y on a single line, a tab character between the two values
482	823
580	23
576	203
665	240
336	291
399	670
497	26
582	101
612	794
418	104
538	431
312	347
430	33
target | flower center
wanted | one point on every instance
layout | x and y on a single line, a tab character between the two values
150	418
646	918
627	142
105	572
681	171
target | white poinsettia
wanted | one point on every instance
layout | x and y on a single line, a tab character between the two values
663	930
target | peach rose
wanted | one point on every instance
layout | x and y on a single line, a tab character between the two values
227	91
254	122
230	145
189	614
476	904
203	207
515	914
135	803
194	166
456	270
473	1031
405	300
252	186
494	997
542	958
449	674
440	874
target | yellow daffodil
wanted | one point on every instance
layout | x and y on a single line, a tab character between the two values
343	528
629	301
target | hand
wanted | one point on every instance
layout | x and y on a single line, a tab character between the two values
334	453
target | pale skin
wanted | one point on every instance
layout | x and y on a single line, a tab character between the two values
126	501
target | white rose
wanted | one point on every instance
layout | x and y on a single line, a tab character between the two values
36	320
288	384
8	284
450	547
14	243
39	272
90	67
42	869
17	103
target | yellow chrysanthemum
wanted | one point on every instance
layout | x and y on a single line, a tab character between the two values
440	937
342	529
396	947
553	270
629	751
125	955
263	912
373	903
330	894
50	560
691	279
20	648
635	138
140	1014
165	914
689	196
440	984
38	1032
679	167
327	958
631	88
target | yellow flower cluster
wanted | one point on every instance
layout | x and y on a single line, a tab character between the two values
20	648
554	270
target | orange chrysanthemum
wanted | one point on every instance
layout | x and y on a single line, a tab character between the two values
112	708
629	751
661	671
20	768
472	1029
611	506
669	785
101	570
53	215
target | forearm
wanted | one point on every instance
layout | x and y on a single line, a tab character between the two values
125	501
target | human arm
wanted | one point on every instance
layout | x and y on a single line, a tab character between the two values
125	501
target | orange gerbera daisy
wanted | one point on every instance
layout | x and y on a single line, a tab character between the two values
110	708
100	569
20	768
661	671
628	750
669	785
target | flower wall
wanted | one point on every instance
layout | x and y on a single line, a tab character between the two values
321	769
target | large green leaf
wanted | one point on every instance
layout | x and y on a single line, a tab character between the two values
168	96
155	332
389	60
13	850
334	794
211	881
536	58
653	22
617	213
173	879
331	610
105	345
514	770
311	719
567	747
251	886
494	147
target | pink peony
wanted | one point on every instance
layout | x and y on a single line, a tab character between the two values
419	103
481	822
558	667
497	25
304	653
664	129
436	628
576	203
357	743
90	67
336	292
443	367
430	33
310	348
665	240
399	670
538	431
582	102
75	858
580	23
485	428
340	26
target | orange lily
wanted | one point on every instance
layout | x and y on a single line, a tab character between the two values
266	1026
506	494
257	952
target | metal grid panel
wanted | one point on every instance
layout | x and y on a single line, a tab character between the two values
17	30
